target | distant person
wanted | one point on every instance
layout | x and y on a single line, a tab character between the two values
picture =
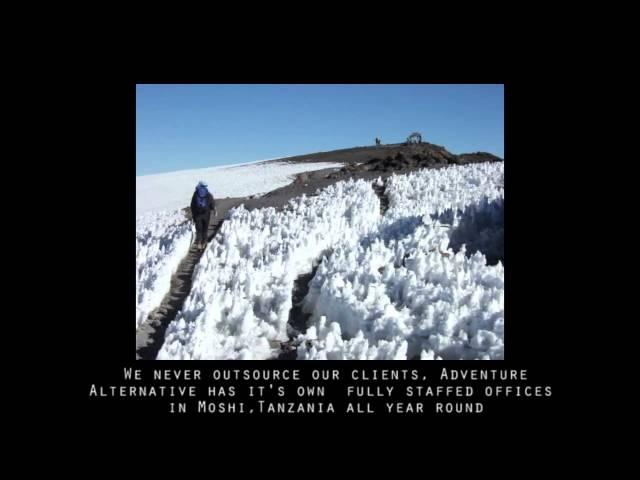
202	203
377	141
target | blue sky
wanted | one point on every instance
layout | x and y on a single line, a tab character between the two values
182	127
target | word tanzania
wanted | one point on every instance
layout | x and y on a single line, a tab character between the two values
328	374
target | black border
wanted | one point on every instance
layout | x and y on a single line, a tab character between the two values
105	337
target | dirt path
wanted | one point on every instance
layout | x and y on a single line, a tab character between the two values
298	320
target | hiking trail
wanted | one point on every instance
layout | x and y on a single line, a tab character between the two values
297	318
150	335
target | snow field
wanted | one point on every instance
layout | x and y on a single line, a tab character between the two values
173	190
242	288
402	292
389	287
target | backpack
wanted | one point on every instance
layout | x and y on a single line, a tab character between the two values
202	198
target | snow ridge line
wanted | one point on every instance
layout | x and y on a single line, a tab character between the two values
150	335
